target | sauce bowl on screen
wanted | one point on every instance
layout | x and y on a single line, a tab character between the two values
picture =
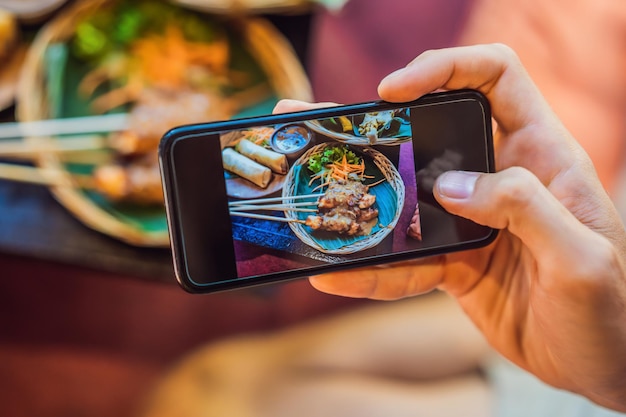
291	139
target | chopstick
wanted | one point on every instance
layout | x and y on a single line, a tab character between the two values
68	126
264	217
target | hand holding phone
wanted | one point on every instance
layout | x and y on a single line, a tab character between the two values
263	199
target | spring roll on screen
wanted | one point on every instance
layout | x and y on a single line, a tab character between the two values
275	161
246	168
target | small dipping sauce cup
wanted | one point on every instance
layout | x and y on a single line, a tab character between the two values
291	140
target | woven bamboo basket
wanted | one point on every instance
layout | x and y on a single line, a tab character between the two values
272	51
389	172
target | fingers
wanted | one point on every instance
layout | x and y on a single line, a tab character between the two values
495	70
386	282
290	106
515	199
530	135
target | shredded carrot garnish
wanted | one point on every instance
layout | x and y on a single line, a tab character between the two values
167	61
258	135
164	60
341	170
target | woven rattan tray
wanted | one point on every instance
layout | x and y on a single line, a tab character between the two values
271	50
388	171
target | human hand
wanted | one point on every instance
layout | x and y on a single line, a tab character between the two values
550	292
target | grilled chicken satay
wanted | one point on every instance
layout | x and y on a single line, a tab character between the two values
138	182
349	193
345	208
335	221
159	110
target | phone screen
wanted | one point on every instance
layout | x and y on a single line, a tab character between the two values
294	195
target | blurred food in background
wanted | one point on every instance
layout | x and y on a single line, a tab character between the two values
31	11
170	67
159	66
8	33
12	54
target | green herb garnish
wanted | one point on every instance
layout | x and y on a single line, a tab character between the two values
318	161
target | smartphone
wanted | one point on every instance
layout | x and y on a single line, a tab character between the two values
264	199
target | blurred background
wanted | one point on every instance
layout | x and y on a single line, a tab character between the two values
92	321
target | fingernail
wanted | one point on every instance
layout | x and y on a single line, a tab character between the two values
457	184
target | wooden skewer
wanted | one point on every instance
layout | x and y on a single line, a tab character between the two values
77	149
81	150
264	217
283	205
68	126
41	176
274	208
271	200
20	148
92	157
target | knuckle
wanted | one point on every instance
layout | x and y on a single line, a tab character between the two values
516	187
505	51
506	54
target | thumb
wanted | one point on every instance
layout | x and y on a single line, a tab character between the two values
512	199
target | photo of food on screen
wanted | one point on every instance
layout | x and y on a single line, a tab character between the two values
324	190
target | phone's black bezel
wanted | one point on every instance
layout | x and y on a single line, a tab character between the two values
173	214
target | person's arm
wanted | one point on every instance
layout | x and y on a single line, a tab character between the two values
418	356
550	292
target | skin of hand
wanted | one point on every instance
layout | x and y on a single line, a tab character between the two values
550	293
